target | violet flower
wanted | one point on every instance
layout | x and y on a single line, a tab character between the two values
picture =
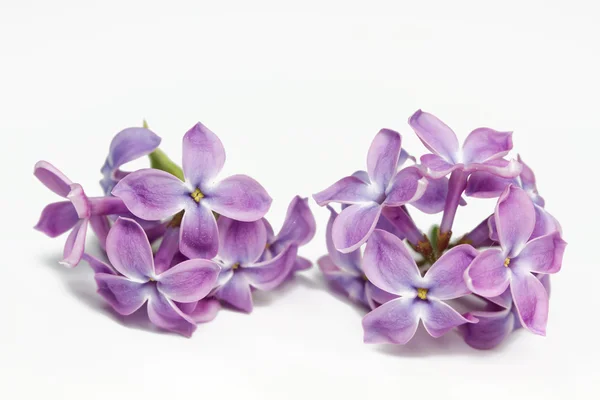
299	227
514	263
388	264
127	145
486	185
154	195
241	245
134	281
343	272
482	150
75	214
368	195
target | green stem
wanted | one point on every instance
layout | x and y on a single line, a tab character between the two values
159	160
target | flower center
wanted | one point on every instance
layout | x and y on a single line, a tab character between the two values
507	262
235	266
197	195
422	293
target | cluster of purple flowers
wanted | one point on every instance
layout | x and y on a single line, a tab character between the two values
213	243
504	262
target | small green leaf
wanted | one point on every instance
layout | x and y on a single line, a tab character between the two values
433	236
159	160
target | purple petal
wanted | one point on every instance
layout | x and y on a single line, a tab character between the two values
445	277
434	198
485	185
57	218
438	317
80	201
128	145
241	242
531	300
203	155
388	264
124	295
545	223
436	167
98	266
515	220
129	251
349	262
487	275
299	226
383	156
499	167
527	177
377	296
364	176
354	225
490	330
100	226
485	144
269	274
205	311
199	236
408	185
52	178
343	282
152	194
236	292
167	250
189	281
75	244
542	255
301	264
435	135
166	315
239	197
348	190
393	322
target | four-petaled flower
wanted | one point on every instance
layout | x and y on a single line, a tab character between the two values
514	263
388	264
152	194
240	246
367	195
134	282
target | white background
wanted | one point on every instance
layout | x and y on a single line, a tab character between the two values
296	93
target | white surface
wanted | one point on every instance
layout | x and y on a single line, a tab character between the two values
296	95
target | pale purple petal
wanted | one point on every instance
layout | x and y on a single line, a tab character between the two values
515	220
189	281
198	235
301	264
343	282
435	135
490	330
485	185
129	251
239	197
241	242
236	292
504	300
97	265
80	201
167	250
438	317
388	264
545	223
363	176
57	218
299	226
75	244
487	275
152	194
203	155
348	190
531	300
445	277
393	322
407	186
349	262
131	144
166	315
527	177
382	158
100	226
485	144
124	295
436	167
376	295
52	178
354	225
542	255
500	167
205	310
269	274
434	198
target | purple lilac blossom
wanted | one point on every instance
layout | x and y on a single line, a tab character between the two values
154	195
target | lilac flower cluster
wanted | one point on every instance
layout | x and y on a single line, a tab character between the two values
214	245
503	263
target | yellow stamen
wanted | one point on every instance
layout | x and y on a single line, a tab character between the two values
507	262
267	246
422	293
152	280
235	266
197	195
